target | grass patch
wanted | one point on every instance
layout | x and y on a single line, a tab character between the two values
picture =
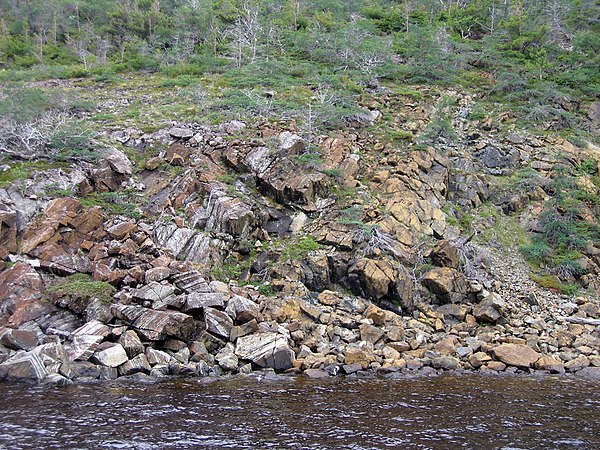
82	285
553	283
113	203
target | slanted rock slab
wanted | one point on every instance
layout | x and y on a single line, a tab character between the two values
517	355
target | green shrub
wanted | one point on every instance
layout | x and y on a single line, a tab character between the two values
296	250
113	203
536	251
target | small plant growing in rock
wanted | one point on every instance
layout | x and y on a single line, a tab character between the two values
82	285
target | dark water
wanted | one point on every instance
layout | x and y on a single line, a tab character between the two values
439	413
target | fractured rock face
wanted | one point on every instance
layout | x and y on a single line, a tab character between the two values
21	287
266	350
186	244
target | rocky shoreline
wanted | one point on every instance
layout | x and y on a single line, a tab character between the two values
354	267
182	325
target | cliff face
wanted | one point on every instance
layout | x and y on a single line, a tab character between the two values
245	246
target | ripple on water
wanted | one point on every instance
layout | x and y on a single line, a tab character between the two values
446	412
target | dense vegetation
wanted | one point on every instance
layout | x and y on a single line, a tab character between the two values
543	52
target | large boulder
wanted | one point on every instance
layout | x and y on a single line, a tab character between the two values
23	366
218	322
18	339
375	279
21	288
8	229
517	355
444	254
156	325
243	310
490	309
447	284
110	355
266	350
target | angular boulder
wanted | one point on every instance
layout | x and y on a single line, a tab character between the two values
217	322
448	284
266	350
196	302
517	355
23	366
243	310
21	287
111	355
136	365
18	339
156	325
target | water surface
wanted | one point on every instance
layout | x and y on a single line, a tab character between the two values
422	413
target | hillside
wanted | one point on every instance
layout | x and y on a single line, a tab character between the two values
319	187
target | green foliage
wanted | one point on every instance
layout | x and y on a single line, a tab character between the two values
566	233
296	250
440	126
73	142
82	285
113	203
19	171
551	282
266	290
24	104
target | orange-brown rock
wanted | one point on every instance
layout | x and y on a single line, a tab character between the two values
60	211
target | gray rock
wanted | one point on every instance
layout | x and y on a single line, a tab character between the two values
23	366
18	339
118	161
291	144
349	369
56	379
226	358
181	133
153	292
196	302
79	369
445	363
156	325
590	373
217	322
243	310
228	215
191	282
157	274
111	356
135	365
243	330
155	357
266	350
108	373
92	328
131	343
83	347
185	244
299	221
